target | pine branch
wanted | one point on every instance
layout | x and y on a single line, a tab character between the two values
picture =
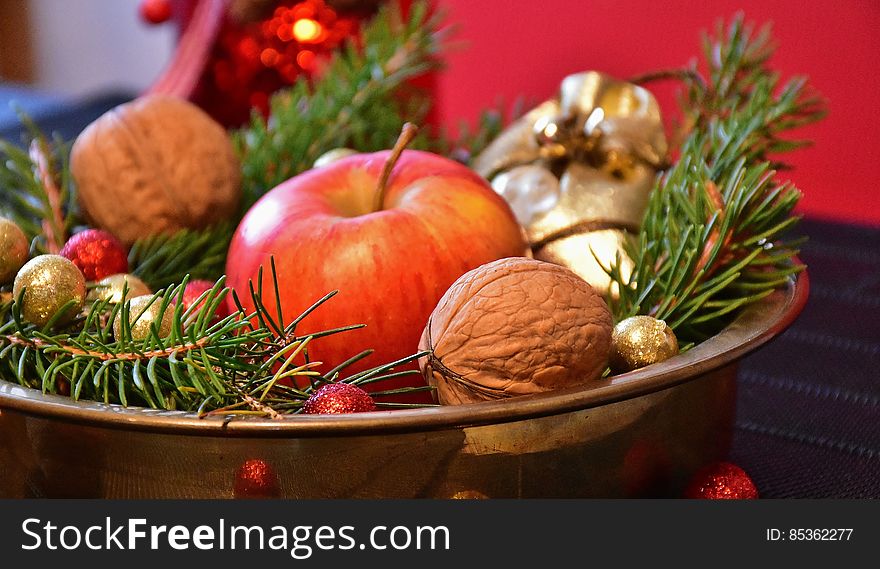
714	237
740	80
243	363
360	101
37	189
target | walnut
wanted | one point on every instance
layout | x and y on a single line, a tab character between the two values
157	164
513	327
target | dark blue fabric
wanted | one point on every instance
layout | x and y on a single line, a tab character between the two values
15	99
808	409
52	114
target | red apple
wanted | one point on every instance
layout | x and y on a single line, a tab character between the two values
390	263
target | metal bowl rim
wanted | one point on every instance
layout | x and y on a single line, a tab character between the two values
751	329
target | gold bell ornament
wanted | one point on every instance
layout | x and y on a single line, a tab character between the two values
577	171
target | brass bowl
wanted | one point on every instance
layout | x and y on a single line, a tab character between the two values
642	433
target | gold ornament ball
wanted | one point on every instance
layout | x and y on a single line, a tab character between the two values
111	288
140	325
49	283
332	156
639	341
13	250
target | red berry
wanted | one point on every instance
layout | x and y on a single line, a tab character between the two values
721	481
155	11
337	398
195	289
96	253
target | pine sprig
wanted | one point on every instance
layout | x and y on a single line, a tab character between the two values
737	68
361	100
37	189
714	237
241	364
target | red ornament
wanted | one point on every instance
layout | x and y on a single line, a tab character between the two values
155	11
97	254
195	289
721	481
256	479
337	398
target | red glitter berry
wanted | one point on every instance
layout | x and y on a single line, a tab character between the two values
721	481
97	254
256	479
195	289
337	398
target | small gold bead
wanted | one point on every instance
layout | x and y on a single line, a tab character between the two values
640	341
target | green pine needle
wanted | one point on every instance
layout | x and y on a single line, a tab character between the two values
160	260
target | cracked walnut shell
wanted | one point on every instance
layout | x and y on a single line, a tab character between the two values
513	327
157	164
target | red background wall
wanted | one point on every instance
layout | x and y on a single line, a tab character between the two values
525	47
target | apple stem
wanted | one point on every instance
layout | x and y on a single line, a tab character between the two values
407	134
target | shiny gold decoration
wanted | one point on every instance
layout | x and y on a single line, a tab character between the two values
13	249
111	288
332	156
639	341
141	315
49	282
530	190
604	140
